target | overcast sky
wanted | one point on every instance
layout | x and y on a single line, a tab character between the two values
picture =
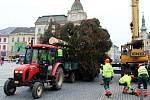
114	15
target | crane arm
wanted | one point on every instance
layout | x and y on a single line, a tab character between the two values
135	19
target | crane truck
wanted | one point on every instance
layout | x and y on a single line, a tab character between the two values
133	53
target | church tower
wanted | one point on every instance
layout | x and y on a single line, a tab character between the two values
144	34
76	13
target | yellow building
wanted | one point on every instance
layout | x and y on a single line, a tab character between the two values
18	39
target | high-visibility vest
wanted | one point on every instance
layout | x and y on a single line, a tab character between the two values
60	52
126	79
142	70
108	70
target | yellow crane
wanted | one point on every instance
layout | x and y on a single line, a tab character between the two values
133	53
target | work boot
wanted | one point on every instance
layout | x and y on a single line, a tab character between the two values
109	92
125	90
137	93
145	92
106	92
133	92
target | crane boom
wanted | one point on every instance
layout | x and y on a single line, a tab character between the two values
135	19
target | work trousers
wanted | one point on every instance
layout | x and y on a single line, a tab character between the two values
142	79
106	83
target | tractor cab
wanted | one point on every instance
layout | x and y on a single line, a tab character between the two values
43	57
40	55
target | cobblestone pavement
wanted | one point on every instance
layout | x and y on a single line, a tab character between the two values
76	91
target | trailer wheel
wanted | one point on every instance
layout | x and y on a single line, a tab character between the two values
9	87
58	79
72	77
37	90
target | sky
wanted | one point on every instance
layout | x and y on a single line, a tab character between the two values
114	15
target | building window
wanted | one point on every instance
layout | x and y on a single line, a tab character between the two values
4	47
28	39
11	48
0	39
18	39
4	39
39	30
12	39
23	39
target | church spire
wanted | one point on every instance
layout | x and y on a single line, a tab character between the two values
77	6
143	27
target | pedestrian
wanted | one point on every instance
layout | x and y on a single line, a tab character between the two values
1	61
100	75
142	80
107	74
126	82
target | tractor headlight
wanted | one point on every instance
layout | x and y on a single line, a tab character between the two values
20	72
16	71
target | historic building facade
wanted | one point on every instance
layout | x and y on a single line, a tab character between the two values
3	44
42	23
114	54
4	40
14	39
75	15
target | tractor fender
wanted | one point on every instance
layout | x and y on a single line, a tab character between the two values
55	68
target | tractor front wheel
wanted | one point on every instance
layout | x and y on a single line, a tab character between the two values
9	87
37	90
58	79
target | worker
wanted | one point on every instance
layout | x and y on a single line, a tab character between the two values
107	74
142	79
126	82
60	55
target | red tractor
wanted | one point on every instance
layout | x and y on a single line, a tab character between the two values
40	66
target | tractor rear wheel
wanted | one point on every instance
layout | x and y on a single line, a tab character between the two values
37	90
9	87
58	79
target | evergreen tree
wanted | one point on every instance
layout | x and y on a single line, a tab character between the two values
86	44
49	33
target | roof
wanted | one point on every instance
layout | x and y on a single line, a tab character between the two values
7	31
24	30
76	6
48	18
